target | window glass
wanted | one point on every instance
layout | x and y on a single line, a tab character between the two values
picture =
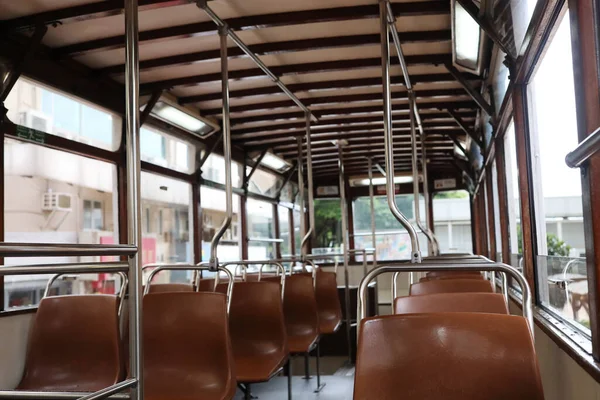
328	227
213	214
56	197
39	107
264	183
521	12
168	221
452	213
261	230
500	79
466	38
391	239
167	151
556	187
287	193
214	170
497	233
284	231
297	236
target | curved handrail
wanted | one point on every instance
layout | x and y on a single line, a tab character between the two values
246	263
191	267
422	267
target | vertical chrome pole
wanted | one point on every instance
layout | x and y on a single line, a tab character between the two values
214	261
309	178
372	205
343	208
428	222
301	191
388	139
134	215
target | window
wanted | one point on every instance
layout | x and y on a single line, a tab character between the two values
56	197
466	38
167	151
264	183
284	231
213	215
497	233
214	170
92	215
513	201
560	256
297	236
167	202
452	212
39	107
261	230
500	81
522	11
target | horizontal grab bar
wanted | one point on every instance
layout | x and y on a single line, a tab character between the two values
110	391
64	250
587	148
76	268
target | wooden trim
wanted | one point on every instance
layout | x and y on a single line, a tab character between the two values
585	46
157	169
3	208
292	233
483	225
502	199
197	221
525	184
244	226
489	194
474	230
350	215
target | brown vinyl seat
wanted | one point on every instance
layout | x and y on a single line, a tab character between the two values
493	303
73	345
187	348
301	313
258	333
451	286
450	356
170	287
328	302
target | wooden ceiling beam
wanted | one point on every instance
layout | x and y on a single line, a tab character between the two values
409	9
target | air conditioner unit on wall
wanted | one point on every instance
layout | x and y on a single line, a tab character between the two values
56	201
36	120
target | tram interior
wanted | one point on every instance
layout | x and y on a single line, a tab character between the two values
336	199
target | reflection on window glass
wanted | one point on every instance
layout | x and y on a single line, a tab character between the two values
261	228
56	197
264	183
167	151
391	240
284	231
557	188
44	109
167	239
213	215
500	79
522	11
214	170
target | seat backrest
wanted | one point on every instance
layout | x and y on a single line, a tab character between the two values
256	319
187	346
451	286
448	356
452	302
73	345
300	306
328	302
170	287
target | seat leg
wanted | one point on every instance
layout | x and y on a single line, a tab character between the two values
319	384
288	371
307	366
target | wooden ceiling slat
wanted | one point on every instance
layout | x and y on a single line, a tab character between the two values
292	69
436	7
311	101
283	47
311	86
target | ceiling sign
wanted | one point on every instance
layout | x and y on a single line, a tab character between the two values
444	184
327	191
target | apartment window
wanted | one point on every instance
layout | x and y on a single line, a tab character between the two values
558	207
39	107
167	151
93	217
214	170
53	196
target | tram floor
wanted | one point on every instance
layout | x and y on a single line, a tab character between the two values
336	388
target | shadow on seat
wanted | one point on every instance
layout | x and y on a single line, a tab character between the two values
493	303
73	345
170	287
328	302
451	286
187	350
301	313
448	356
257	328
452	275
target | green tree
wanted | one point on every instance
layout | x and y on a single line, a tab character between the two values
328	216
451	194
557	247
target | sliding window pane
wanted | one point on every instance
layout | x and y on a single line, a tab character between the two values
261	230
167	151
284	231
213	215
557	188
452	214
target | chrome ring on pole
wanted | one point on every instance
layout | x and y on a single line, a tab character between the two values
191	267
388	137
422	267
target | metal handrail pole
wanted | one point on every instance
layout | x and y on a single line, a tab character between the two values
586	149
76	268
309	178
387	127
109	391
300	162
422	267
372	206
64	249
343	205
134	213
214	261
30	395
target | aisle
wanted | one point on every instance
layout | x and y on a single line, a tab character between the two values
336	388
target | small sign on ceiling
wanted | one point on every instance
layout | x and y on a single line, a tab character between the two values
439	184
327	191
